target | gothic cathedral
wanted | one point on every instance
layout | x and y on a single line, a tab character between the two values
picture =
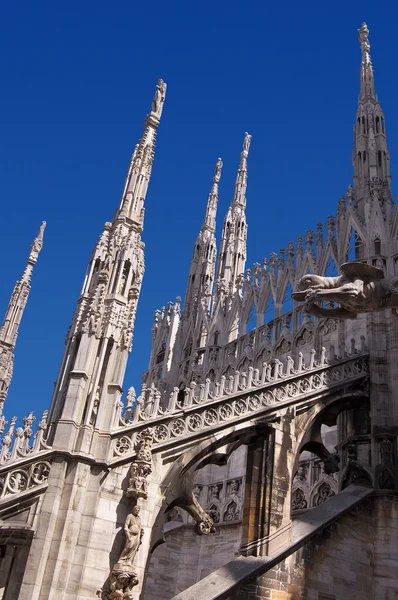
259	459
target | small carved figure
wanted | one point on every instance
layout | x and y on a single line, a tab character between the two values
301	472
196	490
360	288
215	492
234	487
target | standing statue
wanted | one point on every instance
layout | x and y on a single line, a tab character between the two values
246	142
359	289
159	97
217	173
134	533
123	577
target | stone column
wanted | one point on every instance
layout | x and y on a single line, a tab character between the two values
256	504
266	511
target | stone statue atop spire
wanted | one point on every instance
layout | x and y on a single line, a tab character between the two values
158	100
246	144
37	244
363	35
217	172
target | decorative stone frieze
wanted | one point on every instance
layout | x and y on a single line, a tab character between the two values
24	478
261	394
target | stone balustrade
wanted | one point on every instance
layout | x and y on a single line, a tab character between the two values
16	442
201	409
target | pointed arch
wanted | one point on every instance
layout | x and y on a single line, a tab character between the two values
325	489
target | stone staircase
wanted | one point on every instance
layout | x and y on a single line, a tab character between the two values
222	582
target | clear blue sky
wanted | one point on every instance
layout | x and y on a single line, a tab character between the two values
77	81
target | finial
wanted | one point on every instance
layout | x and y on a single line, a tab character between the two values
363	35
37	243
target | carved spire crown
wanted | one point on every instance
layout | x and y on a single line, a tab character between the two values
14	313
367	79
140	167
241	177
371	159
211	209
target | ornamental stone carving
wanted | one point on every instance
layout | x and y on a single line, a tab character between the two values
141	467
324	492
299	501
360	288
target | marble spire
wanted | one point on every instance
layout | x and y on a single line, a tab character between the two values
13	316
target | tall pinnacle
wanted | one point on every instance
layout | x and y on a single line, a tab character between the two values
371	159
232	255
211	209
241	178
367	79
139	172
13	316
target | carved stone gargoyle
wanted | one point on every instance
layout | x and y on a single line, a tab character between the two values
186	499
360	288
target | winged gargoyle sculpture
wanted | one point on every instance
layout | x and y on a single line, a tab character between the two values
360	288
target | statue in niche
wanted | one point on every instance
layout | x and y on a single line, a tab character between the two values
359	289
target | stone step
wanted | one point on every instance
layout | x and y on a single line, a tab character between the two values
220	584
